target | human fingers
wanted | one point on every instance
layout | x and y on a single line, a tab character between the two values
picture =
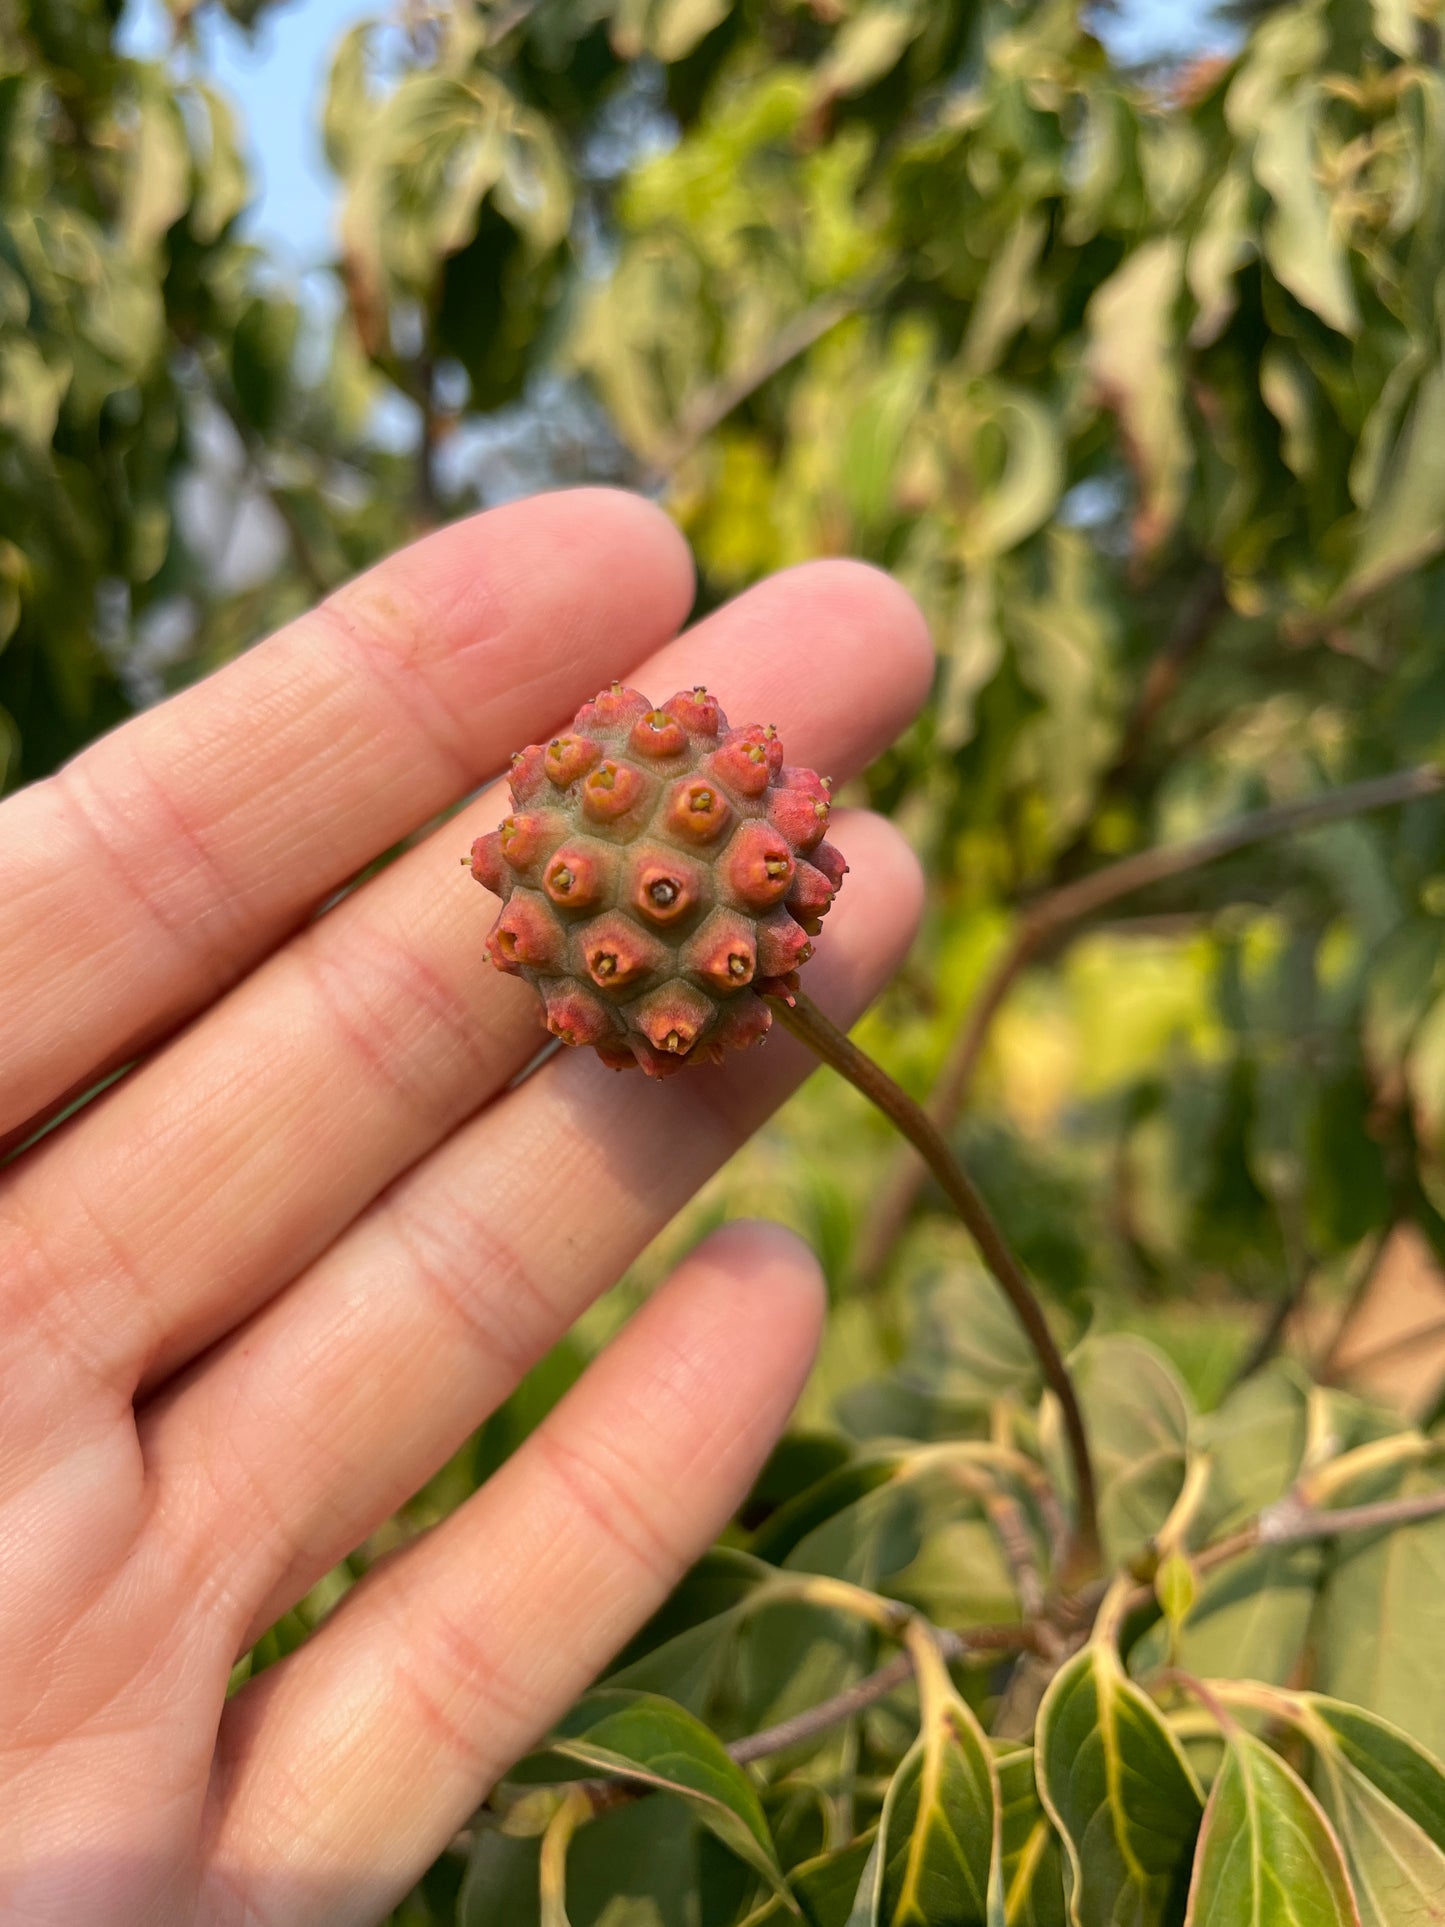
344	1770
158	866
217	1172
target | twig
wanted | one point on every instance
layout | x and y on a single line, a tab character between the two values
828	1713
822	1036
1051	916
1405	1343
1291	1524
712	405
1329	1364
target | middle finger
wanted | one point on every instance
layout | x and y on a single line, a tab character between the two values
237	1155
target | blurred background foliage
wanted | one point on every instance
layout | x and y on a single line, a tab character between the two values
1134	375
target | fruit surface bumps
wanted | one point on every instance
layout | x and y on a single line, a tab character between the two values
660	874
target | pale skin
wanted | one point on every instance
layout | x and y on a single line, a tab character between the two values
255	1294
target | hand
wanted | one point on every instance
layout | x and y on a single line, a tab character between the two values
257	1292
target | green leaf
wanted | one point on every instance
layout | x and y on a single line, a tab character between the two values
1223	243
1267	1856
870	1890
940	1826
878	425
348	106
832	1495
224	184
1397	1870
1008	445
1412	1779
1250	1617
1033	1860
434	150
1405	523
31	391
534	188
1382	1622
666	29
1119	1790
678	25
827	1887
974	648
651	1741
1397	26
1134	360
500	1888
158	181
1008	298
1300	240
870	45
966	1343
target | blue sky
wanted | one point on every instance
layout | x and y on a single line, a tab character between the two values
277	77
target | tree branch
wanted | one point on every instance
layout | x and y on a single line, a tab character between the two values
1053	915
822	1036
828	1713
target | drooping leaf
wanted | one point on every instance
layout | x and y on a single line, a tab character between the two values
158	182
1301	242
1116	1785
653	1742
869	45
1405	523
940	1828
1134	360
666	29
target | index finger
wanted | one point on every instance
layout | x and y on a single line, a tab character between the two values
169	857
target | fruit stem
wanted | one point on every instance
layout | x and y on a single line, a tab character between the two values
823	1037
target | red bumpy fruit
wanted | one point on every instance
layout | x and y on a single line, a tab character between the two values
660	874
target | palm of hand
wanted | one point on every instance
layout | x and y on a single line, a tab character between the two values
256	1293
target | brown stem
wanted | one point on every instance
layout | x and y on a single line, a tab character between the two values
1047	920
828	1713
823	1037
